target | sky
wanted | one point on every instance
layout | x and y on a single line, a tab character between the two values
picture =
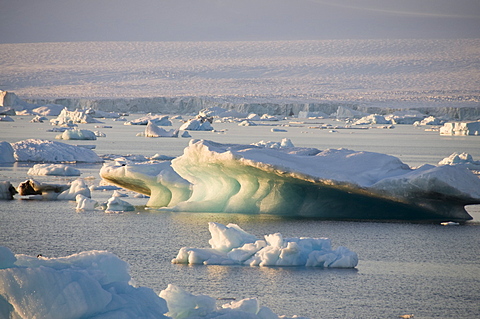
24	21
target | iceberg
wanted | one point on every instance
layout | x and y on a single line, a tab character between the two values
463	159
196	125
76	134
161	120
53	169
73	117
36	150
231	245
460	128
300	182
97	285
7	190
152	130
37	190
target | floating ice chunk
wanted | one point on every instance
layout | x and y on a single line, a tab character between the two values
267	117
77	135
153	130
92	284
253	117
77	187
232	245
285	143
159	120
405	117
53	169
372	119
460	128
345	112
247	123
278	130
34	150
196	125
46	191
183	305
38	119
333	184
6	153
7	190
99	134
115	204
77	116
85	203
431	120
463	159
186	134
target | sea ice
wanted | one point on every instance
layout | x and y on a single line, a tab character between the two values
159	120
152	130
331	184
231	245
35	150
76	135
463	159
7	190
85	203
460	128
53	169
115	204
77	116
196	125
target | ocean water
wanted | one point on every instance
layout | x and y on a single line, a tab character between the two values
428	270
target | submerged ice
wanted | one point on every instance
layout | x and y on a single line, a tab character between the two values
231	245
307	182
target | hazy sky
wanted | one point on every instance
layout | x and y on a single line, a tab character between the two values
199	20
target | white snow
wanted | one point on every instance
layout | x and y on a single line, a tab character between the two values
231	245
460	128
35	150
76	134
53	169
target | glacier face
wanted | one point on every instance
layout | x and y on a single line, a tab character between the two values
300	182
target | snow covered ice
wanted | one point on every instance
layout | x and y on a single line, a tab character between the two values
53	169
231	245
303	182
97	284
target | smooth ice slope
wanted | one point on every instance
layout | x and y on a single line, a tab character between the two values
331	184
231	245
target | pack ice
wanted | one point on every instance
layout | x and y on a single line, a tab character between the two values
303	182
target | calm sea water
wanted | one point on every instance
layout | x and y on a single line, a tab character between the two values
431	271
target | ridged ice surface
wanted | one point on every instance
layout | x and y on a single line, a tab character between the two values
379	71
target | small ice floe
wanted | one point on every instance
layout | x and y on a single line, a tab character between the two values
116	193
7	190
231	245
99	134
463	159
460	128
196	125
115	204
6	118
160	120
32	189
38	119
152	130
278	130
53	169
449	224
77	116
85	203
76	135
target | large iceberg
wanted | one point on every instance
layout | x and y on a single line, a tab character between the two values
301	182
96	285
231	245
460	128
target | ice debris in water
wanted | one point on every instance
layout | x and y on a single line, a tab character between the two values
96	284
231	245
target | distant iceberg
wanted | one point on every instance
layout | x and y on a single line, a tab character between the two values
460	128
36	150
231	245
300	182
96	284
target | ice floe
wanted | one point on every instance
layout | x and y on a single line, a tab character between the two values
330	184
36	150
460	128
76	134
231	245
53	169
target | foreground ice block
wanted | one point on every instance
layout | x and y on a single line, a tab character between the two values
96	285
301	182
231	245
